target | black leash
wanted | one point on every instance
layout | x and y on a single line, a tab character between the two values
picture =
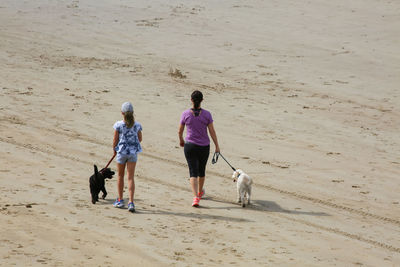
215	159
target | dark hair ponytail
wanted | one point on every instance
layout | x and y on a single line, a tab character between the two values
197	97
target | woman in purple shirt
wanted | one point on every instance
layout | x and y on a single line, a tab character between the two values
197	143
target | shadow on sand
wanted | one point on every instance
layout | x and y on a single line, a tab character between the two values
257	205
267	206
141	210
195	215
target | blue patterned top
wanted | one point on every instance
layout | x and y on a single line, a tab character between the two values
128	138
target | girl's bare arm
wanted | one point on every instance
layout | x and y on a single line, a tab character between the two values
115	141
139	134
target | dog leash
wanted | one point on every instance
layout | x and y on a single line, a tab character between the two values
108	163
215	159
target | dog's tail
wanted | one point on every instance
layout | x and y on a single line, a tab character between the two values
96	172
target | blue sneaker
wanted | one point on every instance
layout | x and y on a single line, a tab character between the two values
131	207
119	203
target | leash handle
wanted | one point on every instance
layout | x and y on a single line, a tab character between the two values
108	163
215	159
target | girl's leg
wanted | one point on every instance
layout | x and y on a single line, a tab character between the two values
131	179
194	182
121	174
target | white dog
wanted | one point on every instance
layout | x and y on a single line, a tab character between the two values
244	183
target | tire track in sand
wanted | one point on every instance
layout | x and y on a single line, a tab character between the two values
216	198
318	201
261	208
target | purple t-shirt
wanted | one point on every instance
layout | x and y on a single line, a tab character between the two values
196	127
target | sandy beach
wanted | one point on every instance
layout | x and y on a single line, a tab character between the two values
305	97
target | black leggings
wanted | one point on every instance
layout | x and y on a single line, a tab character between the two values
196	157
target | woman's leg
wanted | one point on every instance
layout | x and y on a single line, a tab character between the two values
203	158
201	183
195	185
120	183
131	179
191	158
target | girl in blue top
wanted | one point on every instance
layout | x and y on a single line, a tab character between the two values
126	145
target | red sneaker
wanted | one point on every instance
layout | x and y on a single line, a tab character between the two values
202	193
196	201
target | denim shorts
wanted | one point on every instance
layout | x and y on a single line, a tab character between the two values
122	158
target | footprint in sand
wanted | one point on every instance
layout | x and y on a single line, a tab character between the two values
178	256
74	4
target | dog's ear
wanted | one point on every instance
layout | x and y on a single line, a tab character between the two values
96	172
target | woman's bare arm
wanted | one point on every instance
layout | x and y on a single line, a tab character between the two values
214	136
180	134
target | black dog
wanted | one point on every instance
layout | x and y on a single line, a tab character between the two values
96	182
